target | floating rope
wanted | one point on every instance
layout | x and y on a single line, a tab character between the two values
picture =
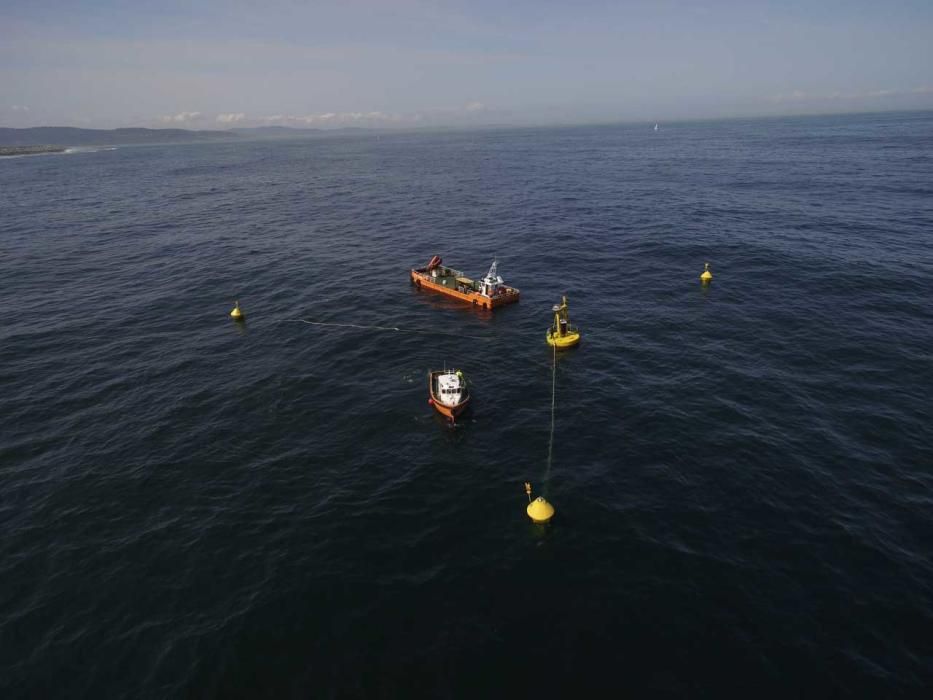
550	442
327	324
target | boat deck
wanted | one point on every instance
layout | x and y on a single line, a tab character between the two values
455	280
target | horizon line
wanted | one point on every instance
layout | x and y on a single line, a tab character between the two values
490	125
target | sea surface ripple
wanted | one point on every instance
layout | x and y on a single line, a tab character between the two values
742	474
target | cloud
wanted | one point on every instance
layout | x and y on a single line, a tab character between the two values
231	117
801	96
795	96
20	108
180	118
324	119
466	113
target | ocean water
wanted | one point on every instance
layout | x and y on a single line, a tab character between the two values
742	474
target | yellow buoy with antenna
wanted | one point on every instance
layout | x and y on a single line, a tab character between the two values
561	334
706	277
237	313
539	510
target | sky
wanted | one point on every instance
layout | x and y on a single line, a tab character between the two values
214	64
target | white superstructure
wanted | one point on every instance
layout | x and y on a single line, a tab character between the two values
450	388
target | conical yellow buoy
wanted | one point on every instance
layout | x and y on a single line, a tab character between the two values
706	277
237	313
540	510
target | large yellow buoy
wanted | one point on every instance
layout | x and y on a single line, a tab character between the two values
540	510
561	334
237	313
706	277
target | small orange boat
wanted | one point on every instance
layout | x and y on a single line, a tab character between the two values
449	392
488	293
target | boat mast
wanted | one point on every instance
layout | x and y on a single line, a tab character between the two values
492	280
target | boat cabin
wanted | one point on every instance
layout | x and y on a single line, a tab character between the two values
449	389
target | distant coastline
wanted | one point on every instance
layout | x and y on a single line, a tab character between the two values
69	137
41	136
29	150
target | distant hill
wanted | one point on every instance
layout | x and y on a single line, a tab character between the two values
71	136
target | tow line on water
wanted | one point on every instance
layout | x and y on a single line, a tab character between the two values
423	331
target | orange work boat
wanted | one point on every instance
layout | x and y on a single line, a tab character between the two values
449	393
488	293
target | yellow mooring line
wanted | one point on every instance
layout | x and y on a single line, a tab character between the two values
550	442
539	510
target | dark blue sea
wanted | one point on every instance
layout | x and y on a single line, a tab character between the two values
742	474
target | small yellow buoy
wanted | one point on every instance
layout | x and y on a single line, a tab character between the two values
706	277
237	313
540	510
